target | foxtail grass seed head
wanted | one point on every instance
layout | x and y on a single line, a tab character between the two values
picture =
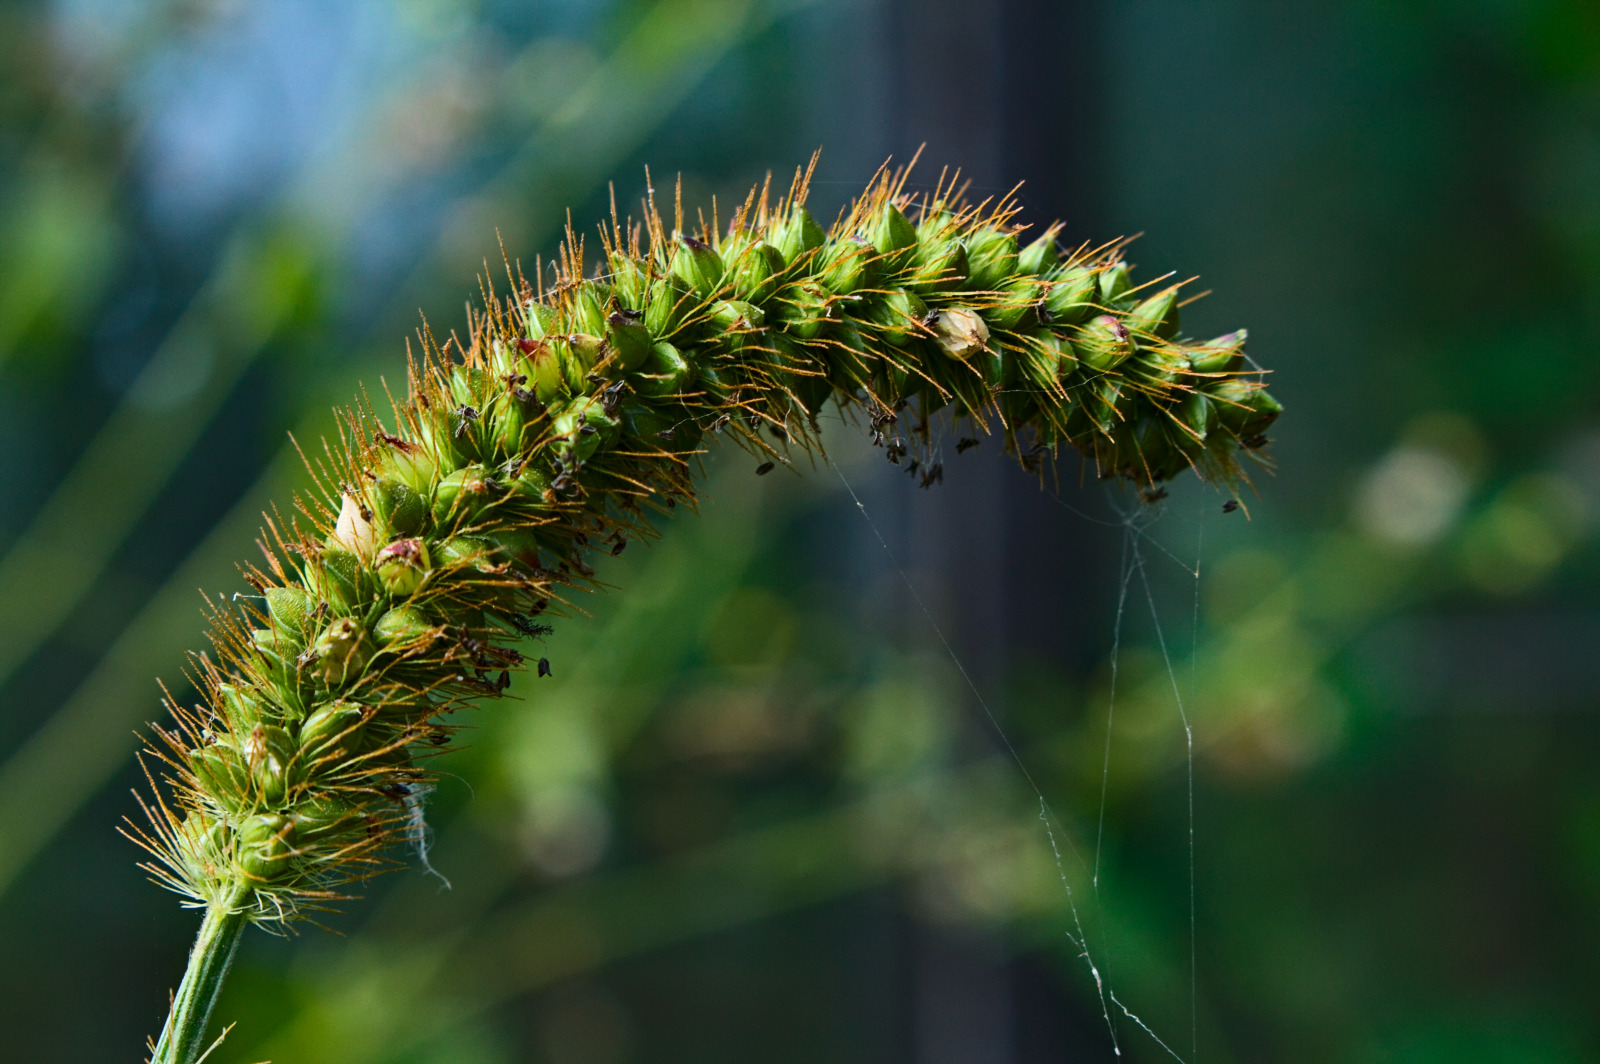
395	593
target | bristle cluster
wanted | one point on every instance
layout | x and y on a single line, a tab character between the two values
572	414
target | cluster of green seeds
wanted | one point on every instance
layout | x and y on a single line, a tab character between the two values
571	417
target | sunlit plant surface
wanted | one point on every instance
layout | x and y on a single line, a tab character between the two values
447	531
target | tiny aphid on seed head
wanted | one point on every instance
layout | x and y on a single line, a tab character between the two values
528	627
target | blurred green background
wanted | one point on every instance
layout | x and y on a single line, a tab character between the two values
759	813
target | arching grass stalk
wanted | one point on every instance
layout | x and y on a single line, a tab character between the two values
437	540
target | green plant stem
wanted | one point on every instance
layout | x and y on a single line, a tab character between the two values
183	1037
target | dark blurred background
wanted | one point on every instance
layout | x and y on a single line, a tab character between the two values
759	812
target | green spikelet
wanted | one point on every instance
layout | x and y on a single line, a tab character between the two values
396	594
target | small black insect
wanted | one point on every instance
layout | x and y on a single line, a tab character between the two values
396	442
621	545
477	681
763	469
544	667
897	451
911	470
475	647
529	627
362	508
934	475
1230	506
965	444
505	679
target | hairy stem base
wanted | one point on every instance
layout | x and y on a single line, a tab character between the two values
183	1036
